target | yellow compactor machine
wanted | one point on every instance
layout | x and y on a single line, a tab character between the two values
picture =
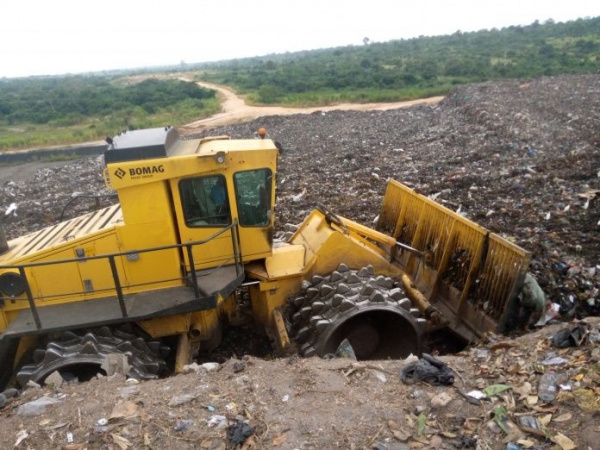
191	241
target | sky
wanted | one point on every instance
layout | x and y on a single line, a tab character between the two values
50	37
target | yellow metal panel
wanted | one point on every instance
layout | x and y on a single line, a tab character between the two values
454	249
51	283
236	154
166	326
286	260
3	321
149	223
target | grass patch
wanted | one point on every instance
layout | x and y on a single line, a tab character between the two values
31	135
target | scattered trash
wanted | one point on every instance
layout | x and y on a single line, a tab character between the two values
238	366
189	368
121	441
128	391
238	432
181	399
429	370
124	410
69	437
36	407
297	198
231	407
380	376
285	398
477	395
345	350
495	389
529	422
182	425
11	209
199	368
21	436
551	312
442	399
572	336
217	421
547	386
554	361
211	366
532	300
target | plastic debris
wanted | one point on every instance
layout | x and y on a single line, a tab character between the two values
571	336
477	395
182	425
217	421
380	376
554	361
128	391
12	208
427	369
210	366
345	350
547	386
238	366
181	399
21	436
36	407
551	312
238	432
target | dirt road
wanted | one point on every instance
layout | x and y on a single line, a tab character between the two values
236	110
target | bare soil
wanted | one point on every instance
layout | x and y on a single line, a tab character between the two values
236	110
520	158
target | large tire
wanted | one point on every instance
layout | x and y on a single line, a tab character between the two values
87	352
372	312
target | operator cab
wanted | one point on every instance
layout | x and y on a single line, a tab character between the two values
211	183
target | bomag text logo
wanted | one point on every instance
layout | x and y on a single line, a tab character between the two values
145	171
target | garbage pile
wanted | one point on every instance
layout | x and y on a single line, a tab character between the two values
520	158
537	391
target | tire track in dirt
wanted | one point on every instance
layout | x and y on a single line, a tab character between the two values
236	110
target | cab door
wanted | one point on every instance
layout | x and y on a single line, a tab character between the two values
202	211
254	193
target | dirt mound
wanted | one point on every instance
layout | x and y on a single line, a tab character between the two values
314	403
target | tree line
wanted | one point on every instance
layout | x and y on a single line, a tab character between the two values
69	100
397	68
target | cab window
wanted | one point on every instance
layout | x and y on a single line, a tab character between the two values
253	196
205	202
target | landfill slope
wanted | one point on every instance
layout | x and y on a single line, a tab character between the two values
314	403
519	158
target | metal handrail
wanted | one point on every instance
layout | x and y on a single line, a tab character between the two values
129	252
111	257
